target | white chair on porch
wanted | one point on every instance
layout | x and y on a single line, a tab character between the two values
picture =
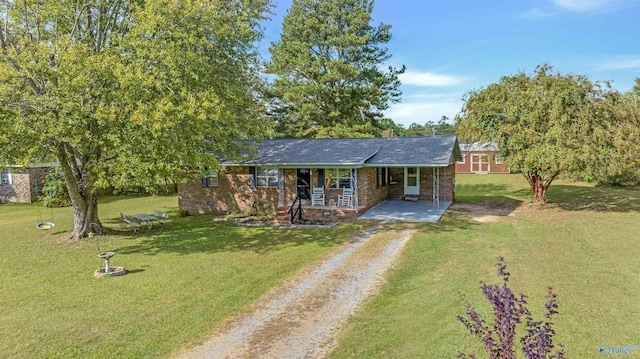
317	196
346	198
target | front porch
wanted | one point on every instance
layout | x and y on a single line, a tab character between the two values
407	211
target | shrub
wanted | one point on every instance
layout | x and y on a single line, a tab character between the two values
500	339
55	192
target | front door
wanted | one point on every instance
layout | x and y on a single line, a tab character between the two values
412	181
303	182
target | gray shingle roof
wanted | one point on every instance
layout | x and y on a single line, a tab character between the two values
426	151
479	146
377	152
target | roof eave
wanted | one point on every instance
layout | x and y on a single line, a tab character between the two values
407	165
296	165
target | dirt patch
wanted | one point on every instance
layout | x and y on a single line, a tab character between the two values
488	210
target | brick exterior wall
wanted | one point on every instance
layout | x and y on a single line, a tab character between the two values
447	188
369	194
493	167
22	188
19	188
234	194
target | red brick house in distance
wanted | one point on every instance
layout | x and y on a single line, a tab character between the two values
23	184
481	157
372	169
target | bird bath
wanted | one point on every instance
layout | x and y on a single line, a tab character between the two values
106	256
108	270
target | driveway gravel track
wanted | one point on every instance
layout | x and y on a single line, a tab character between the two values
300	319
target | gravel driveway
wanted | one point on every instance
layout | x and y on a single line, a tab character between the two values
300	319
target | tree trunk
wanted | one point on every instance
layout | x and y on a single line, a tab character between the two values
79	179
539	185
539	191
84	214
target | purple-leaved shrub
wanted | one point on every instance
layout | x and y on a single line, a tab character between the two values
500	338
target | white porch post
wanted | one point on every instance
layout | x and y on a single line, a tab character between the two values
445	184
354	179
436	185
281	187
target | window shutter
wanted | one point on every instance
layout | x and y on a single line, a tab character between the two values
252	177
205	182
321	178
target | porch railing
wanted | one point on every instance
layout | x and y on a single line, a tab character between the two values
297	211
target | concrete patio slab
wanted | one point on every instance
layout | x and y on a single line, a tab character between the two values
407	211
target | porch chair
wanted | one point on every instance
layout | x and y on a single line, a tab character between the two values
346	198
317	196
162	216
131	222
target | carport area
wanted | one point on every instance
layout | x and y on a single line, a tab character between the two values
407	211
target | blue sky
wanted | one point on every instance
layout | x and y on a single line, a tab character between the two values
451	47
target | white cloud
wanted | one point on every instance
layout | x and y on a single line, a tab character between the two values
421	112
534	13
621	63
430	79
593	5
581	6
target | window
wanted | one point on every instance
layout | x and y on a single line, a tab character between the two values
267	177
412	176
499	160
5	176
464	160
338	178
381	177
212	178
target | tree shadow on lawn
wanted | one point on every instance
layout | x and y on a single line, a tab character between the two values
600	199
199	234
570	197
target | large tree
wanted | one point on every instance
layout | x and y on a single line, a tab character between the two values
328	67
544	123
617	137
123	92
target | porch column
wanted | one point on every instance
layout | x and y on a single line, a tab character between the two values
436	185
354	178
280	187
445	184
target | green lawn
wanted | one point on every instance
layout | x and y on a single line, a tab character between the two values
586	244
184	279
190	276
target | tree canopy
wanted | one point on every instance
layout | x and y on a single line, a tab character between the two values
328	67
123	92
545	123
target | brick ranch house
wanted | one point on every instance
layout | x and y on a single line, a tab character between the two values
23	184
481	157
377	169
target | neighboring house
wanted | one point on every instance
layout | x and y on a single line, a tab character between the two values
376	169
481	157
23	184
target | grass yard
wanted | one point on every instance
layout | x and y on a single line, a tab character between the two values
586	244
184	279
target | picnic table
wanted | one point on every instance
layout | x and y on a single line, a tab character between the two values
146	218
